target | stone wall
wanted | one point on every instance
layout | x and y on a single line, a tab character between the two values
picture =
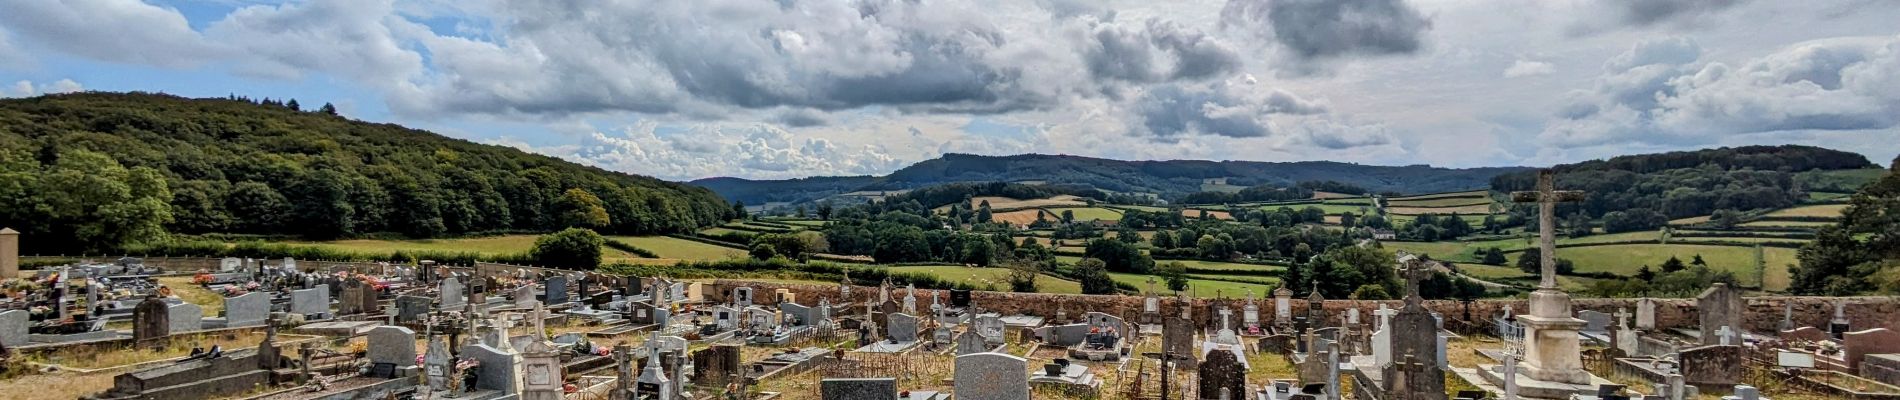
1763	313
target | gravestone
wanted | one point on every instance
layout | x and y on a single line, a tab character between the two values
960	298
1177	339
438	364
1222	371
990	328
151	319
1718	306
541	372
500	371
185	317
1594	321
412	308
716	365
1382	339
1839	326
249	309
860	389
1807	333
742	297
1857	345
310	302
358	298
556	291
451	293
13	328
1416	371
393	345
903	328
1646	314
972	343
1715	366
524	297
986	375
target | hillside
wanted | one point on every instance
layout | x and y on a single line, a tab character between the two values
1692	183
94	171
1167	178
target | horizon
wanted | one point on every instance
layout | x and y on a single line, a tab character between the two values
1451	84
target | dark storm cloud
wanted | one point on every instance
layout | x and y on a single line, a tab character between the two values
1322	29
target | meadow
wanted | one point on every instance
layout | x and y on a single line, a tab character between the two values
994	277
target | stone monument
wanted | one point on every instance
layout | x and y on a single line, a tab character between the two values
1552	352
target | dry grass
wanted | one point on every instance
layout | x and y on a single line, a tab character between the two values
1195	213
94	357
182	287
1824	210
1018	217
1005	203
56	386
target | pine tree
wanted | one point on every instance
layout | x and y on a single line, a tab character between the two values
328	109
293	105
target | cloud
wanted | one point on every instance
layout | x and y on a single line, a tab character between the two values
719	149
121	31
1523	68
12	57
1653	12
1656	94
352	39
1222	109
1157	52
25	88
1325	29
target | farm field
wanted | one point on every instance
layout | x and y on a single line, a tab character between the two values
1330	209
1625	260
1478	209
1440	202
1005	203
802	222
1141	208
1823	210
681	249
1398	220
1826	196
1331	195
1786	224
1196	213
1018	217
991	277
1197	287
1689	220
1088	213
1468	193
724	231
1465	251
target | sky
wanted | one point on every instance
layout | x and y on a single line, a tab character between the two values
772	89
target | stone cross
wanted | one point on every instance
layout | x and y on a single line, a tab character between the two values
1414	272
1787	315
392	311
1727	335
1224	314
1332	370
1622	318
1151	284
1547	196
1510	374
1385	315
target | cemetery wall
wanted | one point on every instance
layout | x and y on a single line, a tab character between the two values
1763	313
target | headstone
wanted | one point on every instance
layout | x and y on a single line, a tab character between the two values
13	328
1594	321
556	292
987	375
186	317
1177	339
9	253
1646	314
438	365
249	309
960	298
1839	326
1718	365
990	328
742	297
861	389
151	320
1382	339
541	372
412	308
500	371
392	345
451	293
229	264
716	365
653	382
1857	345
1718	306
972	343
1416	372
903	328
310	302
1221	371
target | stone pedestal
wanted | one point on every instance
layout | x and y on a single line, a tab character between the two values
1551	349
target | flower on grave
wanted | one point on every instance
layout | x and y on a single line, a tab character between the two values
252	285
201	279
602	351
419	359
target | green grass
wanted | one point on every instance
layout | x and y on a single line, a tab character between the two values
1466	251
1493	272
1440	202
1089	213
996	277
1223	266
1778	263
722	231
1141	208
1359	201
680	249
1825	196
801	222
1476	220
490	245
1441	195
1330	209
1625	260
1198	287
1787	224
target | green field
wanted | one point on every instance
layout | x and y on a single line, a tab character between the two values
1826	196
491	245
1089	213
724	231
1141	208
1198	287
801	222
1625	260
1466	251
1823	210
1476	220
1330	209
680	249
1466	193
1197	264
1440	202
1787	224
997	278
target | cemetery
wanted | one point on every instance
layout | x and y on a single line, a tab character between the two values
304	329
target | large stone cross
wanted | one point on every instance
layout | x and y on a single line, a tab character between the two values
1224	314
1385	315
1622	318
1547	196
1414	272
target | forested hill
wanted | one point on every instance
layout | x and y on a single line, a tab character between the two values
94	171
1693	183
1167	178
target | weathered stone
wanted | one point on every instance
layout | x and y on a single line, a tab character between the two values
151	320
451	292
1807	333
249	309
858	389
412	308
310	302
716	365
500	370
903	328
972	343
393	345
185	317
1222	371
556	291
1177	340
987	375
13	327
9	254
1719	306
1714	366
1857	345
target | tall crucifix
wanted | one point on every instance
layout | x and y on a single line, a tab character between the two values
1547	196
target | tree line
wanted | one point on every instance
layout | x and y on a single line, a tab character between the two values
97	171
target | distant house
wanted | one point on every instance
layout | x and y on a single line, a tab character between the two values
1384	234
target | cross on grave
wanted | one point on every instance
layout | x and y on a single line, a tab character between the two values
1224	314
1622	318
1409	368
1510	370
1547	196
1151	284
1727	335
1385	315
1414	272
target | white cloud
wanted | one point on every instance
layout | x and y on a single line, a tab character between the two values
26	88
1657	94
1523	68
123	31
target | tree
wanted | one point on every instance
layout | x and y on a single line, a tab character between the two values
1578	225
1348	219
257	207
1674	264
1861	252
1725	219
1697	261
1068	216
293	105
979	251
1531	261
579	208
573	248
1162	240
1093	274
1494	256
738	210
1645	274
824	210
1022	277
763	251
321	205
328	109
1118	256
983	215
1175	273
85	197
1370	291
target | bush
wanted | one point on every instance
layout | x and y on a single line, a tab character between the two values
577	248
1093	274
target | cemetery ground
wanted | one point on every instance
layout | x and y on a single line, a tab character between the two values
75	371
